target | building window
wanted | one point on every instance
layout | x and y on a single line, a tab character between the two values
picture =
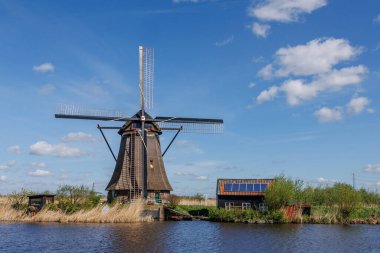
245	206
228	205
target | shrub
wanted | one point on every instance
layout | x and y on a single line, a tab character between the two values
73	198
18	200
281	192
278	216
173	201
345	197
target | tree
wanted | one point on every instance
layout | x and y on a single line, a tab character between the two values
345	197
281	192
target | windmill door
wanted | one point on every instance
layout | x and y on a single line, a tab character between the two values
157	197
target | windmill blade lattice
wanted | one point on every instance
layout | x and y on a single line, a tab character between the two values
76	112
148	73
206	128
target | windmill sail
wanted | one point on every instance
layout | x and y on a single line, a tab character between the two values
76	112
191	125
146	77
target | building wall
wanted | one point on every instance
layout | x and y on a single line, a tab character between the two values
254	201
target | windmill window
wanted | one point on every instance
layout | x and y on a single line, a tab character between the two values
151	164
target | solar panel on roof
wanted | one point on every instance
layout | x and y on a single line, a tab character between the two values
227	187
243	187
250	187
263	187
256	187
235	187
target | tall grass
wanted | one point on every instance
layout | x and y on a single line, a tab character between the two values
101	214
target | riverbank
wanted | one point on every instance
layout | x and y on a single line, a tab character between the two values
101	214
318	215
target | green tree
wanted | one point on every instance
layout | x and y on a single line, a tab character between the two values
72	198
281	192
345	197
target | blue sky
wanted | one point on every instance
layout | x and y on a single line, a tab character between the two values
296	82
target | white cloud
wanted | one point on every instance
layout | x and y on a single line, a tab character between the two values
261	30
189	146
326	114
258	59
59	150
14	149
46	89
45	67
357	105
284	10
39	173
3	178
11	163
8	165
63	177
371	110
39	164
267	95
202	178
338	79
372	168
225	42
191	175
252	85
314	62
316	57
297	91
266	72
79	136
377	18
325	181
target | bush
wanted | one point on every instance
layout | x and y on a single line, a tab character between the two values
74	198
278	216
173	201
18	200
52	207
346	198
281	192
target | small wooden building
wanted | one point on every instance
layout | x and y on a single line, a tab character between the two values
241	193
38	201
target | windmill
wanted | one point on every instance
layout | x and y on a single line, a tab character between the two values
139	170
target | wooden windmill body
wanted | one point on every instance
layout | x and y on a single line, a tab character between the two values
139	171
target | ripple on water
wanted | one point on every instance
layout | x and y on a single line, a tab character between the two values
196	236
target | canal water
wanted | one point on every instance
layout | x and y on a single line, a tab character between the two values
190	236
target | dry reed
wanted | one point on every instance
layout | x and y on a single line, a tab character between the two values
102	214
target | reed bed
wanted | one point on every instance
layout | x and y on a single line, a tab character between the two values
101	214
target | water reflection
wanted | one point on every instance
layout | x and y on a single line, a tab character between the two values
187	237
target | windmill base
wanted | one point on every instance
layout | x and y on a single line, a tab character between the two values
126	196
